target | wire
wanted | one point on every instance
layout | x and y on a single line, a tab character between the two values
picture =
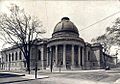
46	13
100	21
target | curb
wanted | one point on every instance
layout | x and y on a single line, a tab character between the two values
30	76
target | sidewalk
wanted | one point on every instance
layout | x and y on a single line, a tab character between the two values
26	76
31	76
70	71
117	81
13	78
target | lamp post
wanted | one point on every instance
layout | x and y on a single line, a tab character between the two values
36	56
116	55
36	69
36	60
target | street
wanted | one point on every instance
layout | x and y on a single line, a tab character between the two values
70	77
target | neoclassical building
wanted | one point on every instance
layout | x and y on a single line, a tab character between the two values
65	50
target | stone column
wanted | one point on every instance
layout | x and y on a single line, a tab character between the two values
10	61
42	60
83	57
64	55
79	55
47	57
56	52
72	55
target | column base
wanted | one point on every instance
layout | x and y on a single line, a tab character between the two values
76	68
56	68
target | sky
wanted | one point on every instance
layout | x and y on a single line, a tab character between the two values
81	13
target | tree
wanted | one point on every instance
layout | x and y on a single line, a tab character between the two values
103	40
113	32
111	36
20	29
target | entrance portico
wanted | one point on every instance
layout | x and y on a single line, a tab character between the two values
66	55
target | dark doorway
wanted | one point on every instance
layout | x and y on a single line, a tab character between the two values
76	56
68	56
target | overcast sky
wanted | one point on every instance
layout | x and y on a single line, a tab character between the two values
81	13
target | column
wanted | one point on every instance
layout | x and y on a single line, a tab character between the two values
72	55
7	61
83	57
64	55
47	57
79	55
56	55
42	59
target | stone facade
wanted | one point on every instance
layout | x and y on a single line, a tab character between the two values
65	50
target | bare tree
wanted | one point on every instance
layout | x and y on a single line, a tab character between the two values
20	29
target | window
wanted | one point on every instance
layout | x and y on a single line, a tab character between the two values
20	55
88	55
9	57
16	56
6	58
93	64
39	55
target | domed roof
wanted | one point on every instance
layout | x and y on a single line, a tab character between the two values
65	25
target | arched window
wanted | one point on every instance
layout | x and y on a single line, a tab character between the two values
20	55
16	56
39	55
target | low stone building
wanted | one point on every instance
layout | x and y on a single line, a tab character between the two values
65	50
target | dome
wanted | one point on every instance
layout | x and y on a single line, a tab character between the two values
65	25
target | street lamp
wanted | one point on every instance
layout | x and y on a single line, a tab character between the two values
36	60
116	55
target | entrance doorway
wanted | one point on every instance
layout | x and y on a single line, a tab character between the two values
68	56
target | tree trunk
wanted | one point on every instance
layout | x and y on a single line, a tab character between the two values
27	57
28	65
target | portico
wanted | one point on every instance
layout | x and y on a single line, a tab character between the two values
66	55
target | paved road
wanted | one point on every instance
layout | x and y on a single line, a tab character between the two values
95	77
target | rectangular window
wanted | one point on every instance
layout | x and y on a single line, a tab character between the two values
6	58
39	55
9	57
88	55
20	55
16	56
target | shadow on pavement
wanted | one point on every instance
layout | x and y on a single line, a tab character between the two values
5	75
16	81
